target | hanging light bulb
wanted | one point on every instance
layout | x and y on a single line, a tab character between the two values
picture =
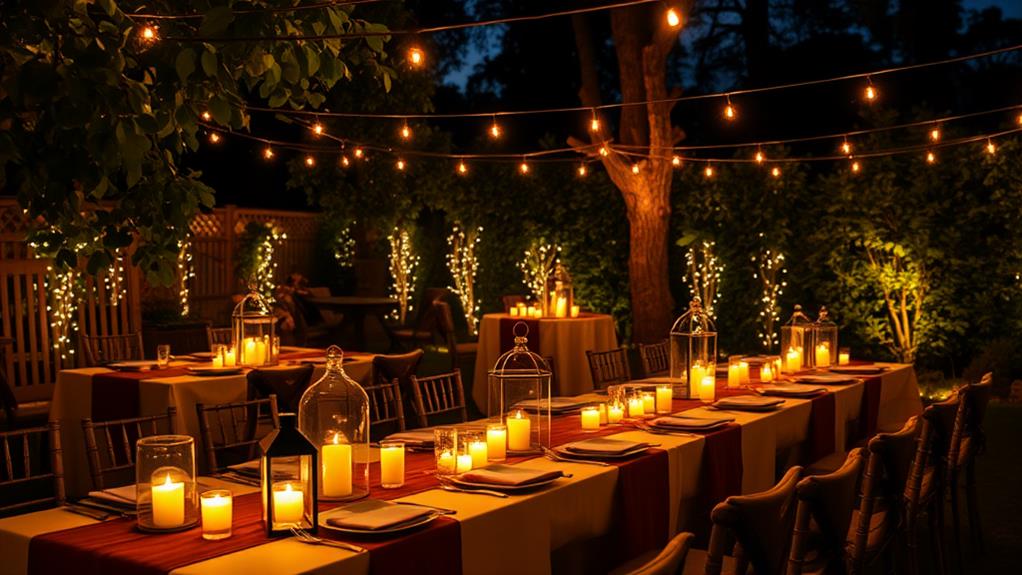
1018	120
635	168
708	171
310	161
931	158
730	113
871	91
358	153
846	147
760	157
523	167
676	161
149	34
317	129
462	168
416	57
775	172
594	123
673	18
345	162
406	132
495	130
206	116
935	134
214	138
400	165
856	167
582	171
991	149
268	153
604	151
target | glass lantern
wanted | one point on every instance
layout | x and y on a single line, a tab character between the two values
253	331
519	396
166	492
796	342
334	414
288	479
693	349
825	350
561	295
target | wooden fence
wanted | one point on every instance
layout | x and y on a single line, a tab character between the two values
26	289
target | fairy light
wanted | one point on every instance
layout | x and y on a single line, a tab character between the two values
401	167
403	262
594	123
931	158
856	167
206	116
310	161
871	91
462	168
673	18
760	158
149	34
317	129
214	138
463	263
345	162
676	161
406	132
703	274
846	147
582	171
113	280
708	171
358	153
991	148
604	151
935	135
775	172
523	168
185	273
537	265
770	271
62	307
266	267
416	57
635	168
495	131
344	248
730	112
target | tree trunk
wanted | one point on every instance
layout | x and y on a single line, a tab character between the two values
648	226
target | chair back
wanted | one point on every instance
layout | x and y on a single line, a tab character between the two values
387	368
28	480
439	395
971	440
100	349
386	409
182	339
828	501
110	445
655	358
288	384
230	432
426	320
219	335
761	524
670	560
8	402
445	325
609	367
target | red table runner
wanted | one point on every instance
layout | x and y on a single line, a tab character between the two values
869	409
115	394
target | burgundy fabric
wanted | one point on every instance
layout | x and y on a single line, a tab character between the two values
115	394
822	438
641	503
507	333
869	410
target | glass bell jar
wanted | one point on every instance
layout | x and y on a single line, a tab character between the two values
560	292
796	340
519	396
287	477
253	331
334	414
693	349
166	492
825	348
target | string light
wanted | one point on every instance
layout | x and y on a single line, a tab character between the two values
462	168
775	172
594	123
635	168
676	161
760	157
604	151
1018	120
846	147
149	35
991	149
931	158
358	153
416	57
582	171
403	262
310	161
268	153
935	134
856	167
317	129
406	132
703	275
523	167
673	18
495	130
537	266
730	113
463	263
266	267
771	272
206	116
214	138
185	271
345	162
871	91
344	248
708	171
400	166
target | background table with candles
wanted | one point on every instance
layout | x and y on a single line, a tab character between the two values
73	400
567	521
564	339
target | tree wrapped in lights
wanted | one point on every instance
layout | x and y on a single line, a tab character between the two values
185	273
62	287
703	274
463	265
113	280
538	265
344	248
255	265
403	262
770	272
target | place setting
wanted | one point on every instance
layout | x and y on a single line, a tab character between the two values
598	450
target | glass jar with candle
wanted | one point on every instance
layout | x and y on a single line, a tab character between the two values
219	350
519	396
824	341
392	464
693	348
288	478
217	514
590	417
496	442
445	450
796	341
253	328
560	292
474	444
844	356
734	371
165	487
334	414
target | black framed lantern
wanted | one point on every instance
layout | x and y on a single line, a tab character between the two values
288	479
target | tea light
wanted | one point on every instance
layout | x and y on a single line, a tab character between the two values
288	504
664	397
591	417
519	431
217	513
168	503
823	355
766	373
446	462
615	413
478	451
708	389
575	311
336	467
496	442
743	371
392	464
793	359
603	413
464	463
843	356
636	407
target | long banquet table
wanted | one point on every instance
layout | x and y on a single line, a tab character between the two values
522	533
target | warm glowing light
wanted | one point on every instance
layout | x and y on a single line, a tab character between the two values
317	129
708	171
846	147
935	134
991	148
730	113
594	124
268	153
345	162
214	138
931	158
149	34
673	18
604	151
856	167
676	161
871	91
523	167
635	168
207	116
760	157
416	57
406	132
400	165
775	172
1018	120
310	161
582	171
495	130
359	153
462	168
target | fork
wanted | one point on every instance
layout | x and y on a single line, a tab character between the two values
554	456
310	539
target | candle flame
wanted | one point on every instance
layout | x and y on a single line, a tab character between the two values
287	487
167	482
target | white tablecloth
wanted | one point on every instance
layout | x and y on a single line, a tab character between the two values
518	534
566	340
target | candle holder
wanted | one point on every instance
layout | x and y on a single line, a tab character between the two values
217	514
824	341
253	331
796	342
496	442
165	486
590	416
693	348
289	479
445	450
844	356
560	292
334	414
519	396
392	464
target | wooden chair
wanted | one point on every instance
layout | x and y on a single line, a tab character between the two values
439	395
18	415
445	323
387	368
826	502
110	445
609	367
422	329
970	442
288	384
761	525
386	409
881	508
183	339
669	561
100	349
656	358
219	335
26	482
230	432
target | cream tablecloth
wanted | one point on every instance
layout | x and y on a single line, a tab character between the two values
566	340
521	533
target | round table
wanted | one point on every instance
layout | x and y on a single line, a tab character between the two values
564	339
355	309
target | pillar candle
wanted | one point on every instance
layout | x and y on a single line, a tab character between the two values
603	413
496	442
464	463
636	408
392	464
513	311
766	373
229	360
519	432
697	373
288	504
743	372
575	310
843	358
734	375
216	514
823	355
445	462
479	453
562	307
248	351
218	361
336	465
168	503
615	413
664	397
793	359
590	418
260	351
649	402
707	389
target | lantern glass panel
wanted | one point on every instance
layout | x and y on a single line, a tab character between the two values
796	341
519	396
560	292
253	331
334	414
825	344
166	492
288	479
693	345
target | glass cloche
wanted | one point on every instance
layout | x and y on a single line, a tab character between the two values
825	350
519	396
796	341
253	331
693	348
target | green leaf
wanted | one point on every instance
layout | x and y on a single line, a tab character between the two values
312	60
216	21
209	63
221	110
185	64
108	6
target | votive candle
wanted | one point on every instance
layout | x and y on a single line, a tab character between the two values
217	514
843	356
288	504
615	413
708	389
519	431
734	375
766	373
496	442
793	359
636	407
575	310
392	464
168	503
479	452
446	462
743	370
591	418
664	397
464	463
603	413
649	402
823	355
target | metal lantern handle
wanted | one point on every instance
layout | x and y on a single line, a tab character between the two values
521	339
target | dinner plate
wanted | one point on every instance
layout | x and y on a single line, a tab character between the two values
214	371
713	426
139	365
568	454
497	487
748	403
399	528
202	355
859	369
825	379
802	391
